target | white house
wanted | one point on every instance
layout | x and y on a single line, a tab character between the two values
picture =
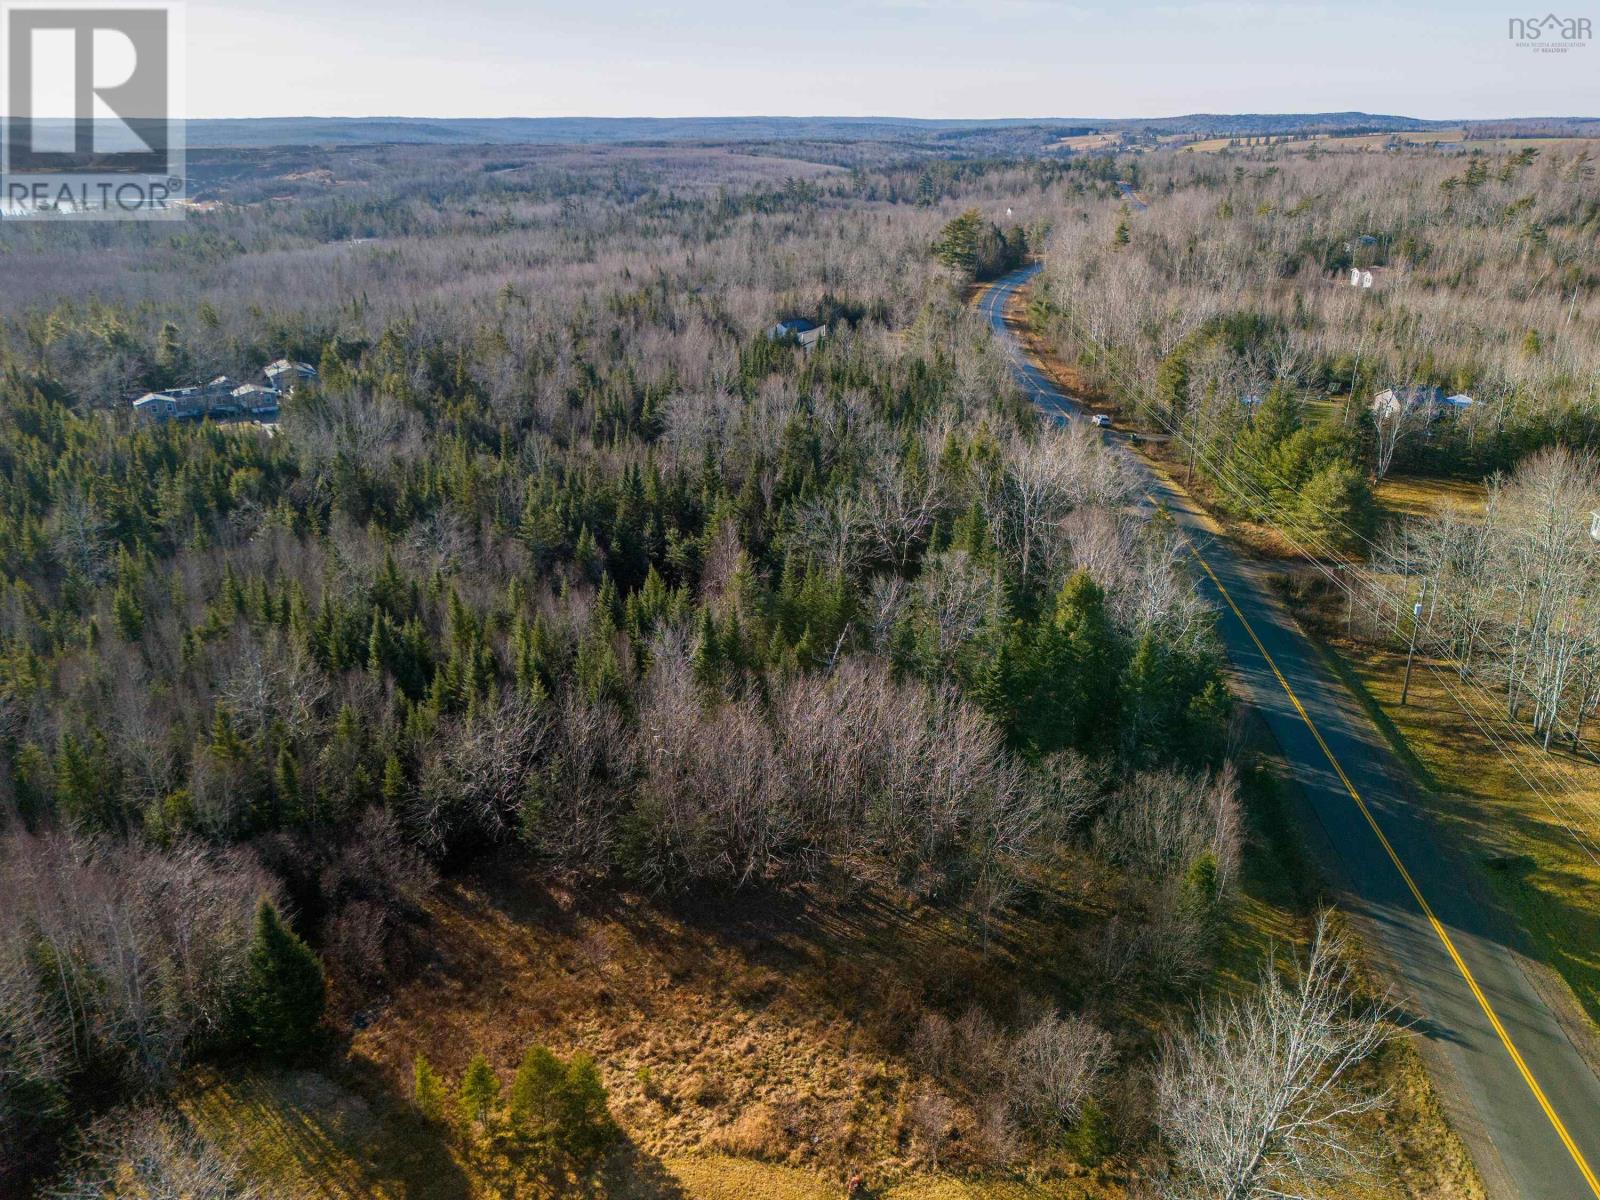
806	333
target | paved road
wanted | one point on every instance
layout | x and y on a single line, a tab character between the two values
1131	195
1518	1090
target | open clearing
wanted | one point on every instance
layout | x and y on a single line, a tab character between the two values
748	1049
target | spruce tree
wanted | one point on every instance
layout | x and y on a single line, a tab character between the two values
284	988
427	1089
534	1090
584	1123
480	1088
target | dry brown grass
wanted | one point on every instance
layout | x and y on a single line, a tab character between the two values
1413	496
316	1137
748	1047
772	1027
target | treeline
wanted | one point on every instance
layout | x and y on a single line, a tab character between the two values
1511	598
120	961
442	610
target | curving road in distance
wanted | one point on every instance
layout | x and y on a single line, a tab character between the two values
1501	1051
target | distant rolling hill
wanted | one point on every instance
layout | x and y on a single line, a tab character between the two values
357	131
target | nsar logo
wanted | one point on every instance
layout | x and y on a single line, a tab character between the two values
1550	34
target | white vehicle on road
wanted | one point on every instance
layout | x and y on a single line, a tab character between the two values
1101	420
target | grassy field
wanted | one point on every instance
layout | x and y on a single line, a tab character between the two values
1089	141
1409	496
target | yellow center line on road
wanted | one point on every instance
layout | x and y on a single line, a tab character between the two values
1416	892
1394	857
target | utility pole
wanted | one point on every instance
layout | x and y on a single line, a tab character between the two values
1411	650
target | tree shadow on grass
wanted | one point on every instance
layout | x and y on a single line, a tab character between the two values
630	1173
308	1131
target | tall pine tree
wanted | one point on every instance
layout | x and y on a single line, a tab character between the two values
284	988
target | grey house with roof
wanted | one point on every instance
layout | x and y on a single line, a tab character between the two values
806	334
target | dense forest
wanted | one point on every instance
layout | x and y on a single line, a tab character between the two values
563	560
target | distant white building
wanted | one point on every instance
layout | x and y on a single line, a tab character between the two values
1366	277
806	333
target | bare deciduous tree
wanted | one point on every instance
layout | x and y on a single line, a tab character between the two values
1054	1064
1162	821
150	1154
1257	1099
1041	481
1392	424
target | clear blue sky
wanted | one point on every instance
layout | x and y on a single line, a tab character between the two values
924	58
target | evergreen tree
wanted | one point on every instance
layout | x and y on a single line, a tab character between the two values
1172	382
1075	670
1335	507
536	1089
284	988
427	1089
584	1124
480	1088
957	246
128	612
